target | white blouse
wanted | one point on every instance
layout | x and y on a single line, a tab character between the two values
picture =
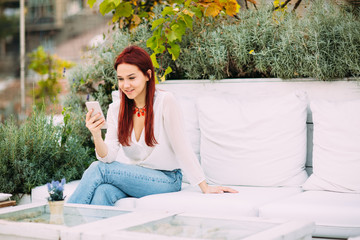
173	150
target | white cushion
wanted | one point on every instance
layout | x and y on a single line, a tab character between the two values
335	214
336	152
128	203
191	123
253	142
5	196
190	200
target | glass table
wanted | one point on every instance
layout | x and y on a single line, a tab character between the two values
99	222
185	226
202	228
72	216
34	220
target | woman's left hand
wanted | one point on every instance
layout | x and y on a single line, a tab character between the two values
205	188
219	189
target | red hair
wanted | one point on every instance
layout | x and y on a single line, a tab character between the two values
139	57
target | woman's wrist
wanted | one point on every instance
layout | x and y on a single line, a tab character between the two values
204	186
97	136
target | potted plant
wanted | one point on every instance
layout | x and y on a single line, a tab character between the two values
56	201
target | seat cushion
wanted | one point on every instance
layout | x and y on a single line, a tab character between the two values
192	200
335	214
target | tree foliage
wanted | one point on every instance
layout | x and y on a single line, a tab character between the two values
176	18
51	68
8	26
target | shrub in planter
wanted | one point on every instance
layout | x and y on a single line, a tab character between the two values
323	43
36	151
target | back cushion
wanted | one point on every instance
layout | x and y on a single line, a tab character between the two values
336	153
253	142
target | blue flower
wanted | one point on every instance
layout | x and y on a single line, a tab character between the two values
56	190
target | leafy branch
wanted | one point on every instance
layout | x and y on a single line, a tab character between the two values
178	16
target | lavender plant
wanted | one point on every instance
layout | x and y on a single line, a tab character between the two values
56	190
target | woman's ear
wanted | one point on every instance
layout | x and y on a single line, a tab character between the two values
149	74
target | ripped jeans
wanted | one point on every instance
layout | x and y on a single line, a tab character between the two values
105	183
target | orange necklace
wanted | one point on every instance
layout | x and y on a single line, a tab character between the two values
140	111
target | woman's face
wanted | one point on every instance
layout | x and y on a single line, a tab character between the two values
132	82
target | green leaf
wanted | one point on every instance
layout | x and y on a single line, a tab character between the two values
157	22
178	1
171	35
157	41
174	50
160	48
143	15
151	42
197	11
187	3
124	10
156	79
106	6
181	27
176	32
116	2
91	3
188	21
167	11
168	70
157	32
154	61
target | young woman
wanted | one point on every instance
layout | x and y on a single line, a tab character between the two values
145	146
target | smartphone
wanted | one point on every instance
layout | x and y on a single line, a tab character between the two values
97	109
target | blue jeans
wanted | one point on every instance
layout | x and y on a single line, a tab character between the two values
105	183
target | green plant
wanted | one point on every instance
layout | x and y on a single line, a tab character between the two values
51	68
321	44
168	29
35	151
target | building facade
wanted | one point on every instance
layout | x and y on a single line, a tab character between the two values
47	23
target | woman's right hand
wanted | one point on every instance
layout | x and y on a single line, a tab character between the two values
94	124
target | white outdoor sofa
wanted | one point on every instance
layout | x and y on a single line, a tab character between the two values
264	137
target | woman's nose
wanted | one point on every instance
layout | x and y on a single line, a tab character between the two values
126	84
